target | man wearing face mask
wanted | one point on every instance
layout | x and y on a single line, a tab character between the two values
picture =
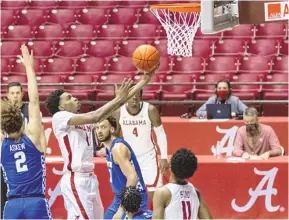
254	140
223	96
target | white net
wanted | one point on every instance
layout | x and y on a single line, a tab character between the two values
180	27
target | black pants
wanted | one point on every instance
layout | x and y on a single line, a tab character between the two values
3	194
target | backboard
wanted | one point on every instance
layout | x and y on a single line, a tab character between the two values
220	15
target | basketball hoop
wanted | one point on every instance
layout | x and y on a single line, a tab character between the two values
181	22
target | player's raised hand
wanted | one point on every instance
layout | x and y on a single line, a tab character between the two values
123	91
26	58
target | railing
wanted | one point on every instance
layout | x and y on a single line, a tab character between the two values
188	102
185	102
155	83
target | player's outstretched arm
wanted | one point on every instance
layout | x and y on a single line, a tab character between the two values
132	90
123	94
34	127
161	198
106	110
203	212
121	156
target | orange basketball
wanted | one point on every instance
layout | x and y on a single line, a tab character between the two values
146	57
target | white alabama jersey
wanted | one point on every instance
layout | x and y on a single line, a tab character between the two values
184	202
137	129
75	142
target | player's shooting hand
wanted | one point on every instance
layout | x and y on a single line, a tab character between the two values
123	91
26	58
148	74
163	165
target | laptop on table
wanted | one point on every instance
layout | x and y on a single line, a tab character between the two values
218	111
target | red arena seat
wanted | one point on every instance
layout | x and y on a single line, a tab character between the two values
61	16
32	17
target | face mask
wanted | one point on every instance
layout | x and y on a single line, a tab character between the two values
222	94
251	127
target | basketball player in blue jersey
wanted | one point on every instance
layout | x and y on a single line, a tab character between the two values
23	154
122	165
131	202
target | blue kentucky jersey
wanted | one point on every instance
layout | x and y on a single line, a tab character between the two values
117	178
141	215
23	167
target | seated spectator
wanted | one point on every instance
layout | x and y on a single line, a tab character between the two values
254	140
223	96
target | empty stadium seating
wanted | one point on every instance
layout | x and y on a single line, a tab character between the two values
247	91
93	41
17	68
101	48
230	47
151	92
245	32
91	66
93	16
224	64
71	49
126	16
263	47
184	65
8	17
277	92
61	16
32	17
271	30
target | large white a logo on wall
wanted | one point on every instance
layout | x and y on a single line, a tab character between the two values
269	177
228	138
56	192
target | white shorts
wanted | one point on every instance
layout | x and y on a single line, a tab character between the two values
150	171
81	196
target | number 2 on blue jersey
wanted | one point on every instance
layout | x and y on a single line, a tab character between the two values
20	160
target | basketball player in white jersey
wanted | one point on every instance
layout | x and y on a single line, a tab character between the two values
136	119
79	185
179	199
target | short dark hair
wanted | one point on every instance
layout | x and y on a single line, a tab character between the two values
13	84
130	199
11	117
184	163
112	121
52	101
225	81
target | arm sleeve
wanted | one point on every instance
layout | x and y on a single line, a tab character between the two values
241	106
162	141
60	121
275	147
202	111
238	145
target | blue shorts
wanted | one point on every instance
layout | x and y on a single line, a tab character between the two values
27	208
112	209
